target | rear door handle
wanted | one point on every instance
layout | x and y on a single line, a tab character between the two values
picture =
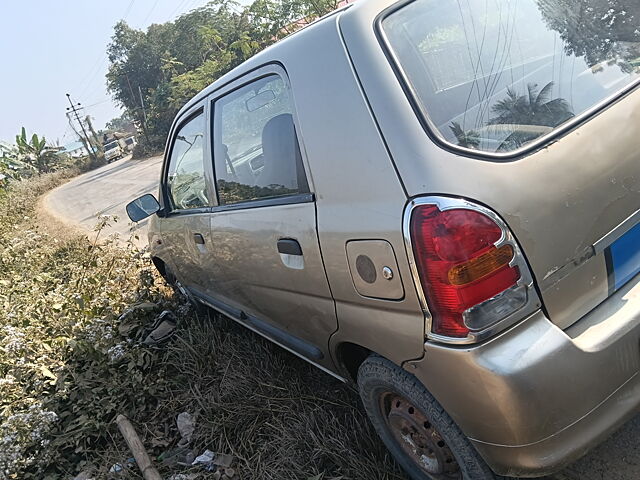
289	246
198	238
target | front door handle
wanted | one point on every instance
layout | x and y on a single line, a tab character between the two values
289	246
198	238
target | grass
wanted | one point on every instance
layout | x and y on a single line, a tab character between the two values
69	364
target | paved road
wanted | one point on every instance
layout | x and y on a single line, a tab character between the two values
107	191
616	459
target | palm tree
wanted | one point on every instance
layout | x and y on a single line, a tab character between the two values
466	138
532	109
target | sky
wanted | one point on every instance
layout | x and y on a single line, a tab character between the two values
51	48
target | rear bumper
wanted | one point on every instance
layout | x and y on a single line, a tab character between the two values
536	398
552	454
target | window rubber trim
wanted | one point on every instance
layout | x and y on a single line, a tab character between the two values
435	135
267	202
248	204
167	207
254	75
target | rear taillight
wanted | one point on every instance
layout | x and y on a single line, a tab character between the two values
469	268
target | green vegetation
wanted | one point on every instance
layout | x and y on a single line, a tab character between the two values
73	312
123	123
35	152
11	168
33	155
173	61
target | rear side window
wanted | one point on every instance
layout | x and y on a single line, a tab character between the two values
494	75
186	183
257	155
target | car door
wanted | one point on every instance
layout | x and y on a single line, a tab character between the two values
187	195
266	254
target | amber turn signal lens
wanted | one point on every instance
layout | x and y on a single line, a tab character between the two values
481	266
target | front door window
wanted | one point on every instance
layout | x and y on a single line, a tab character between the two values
186	183
257	155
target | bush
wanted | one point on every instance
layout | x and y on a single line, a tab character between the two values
60	298
144	148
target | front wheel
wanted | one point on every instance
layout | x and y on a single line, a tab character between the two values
415	428
169	277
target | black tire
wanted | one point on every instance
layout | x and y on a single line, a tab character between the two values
393	396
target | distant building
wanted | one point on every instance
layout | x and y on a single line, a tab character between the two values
75	150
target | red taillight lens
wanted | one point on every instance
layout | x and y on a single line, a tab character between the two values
458	263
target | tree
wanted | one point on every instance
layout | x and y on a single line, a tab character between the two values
535	108
95	142
35	152
122	123
171	62
465	138
11	168
598	30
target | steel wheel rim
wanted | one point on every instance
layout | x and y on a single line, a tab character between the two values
418	438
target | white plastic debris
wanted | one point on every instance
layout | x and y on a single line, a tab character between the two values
206	458
185	426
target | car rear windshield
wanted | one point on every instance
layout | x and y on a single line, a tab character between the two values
495	75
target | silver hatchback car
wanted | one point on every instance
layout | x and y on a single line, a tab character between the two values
436	200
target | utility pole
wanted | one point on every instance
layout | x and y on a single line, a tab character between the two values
144	112
75	109
143	121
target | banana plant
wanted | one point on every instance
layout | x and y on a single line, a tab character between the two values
35	152
11	168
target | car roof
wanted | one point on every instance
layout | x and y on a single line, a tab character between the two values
263	57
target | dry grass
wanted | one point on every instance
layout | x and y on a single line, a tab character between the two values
282	418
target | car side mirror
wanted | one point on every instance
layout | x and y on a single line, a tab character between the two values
142	207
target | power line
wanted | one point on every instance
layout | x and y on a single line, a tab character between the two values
155	4
192	5
67	132
97	66
98	103
128	10
180	6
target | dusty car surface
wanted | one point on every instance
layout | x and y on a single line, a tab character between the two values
436	200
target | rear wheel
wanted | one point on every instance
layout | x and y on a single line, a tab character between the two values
414	427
